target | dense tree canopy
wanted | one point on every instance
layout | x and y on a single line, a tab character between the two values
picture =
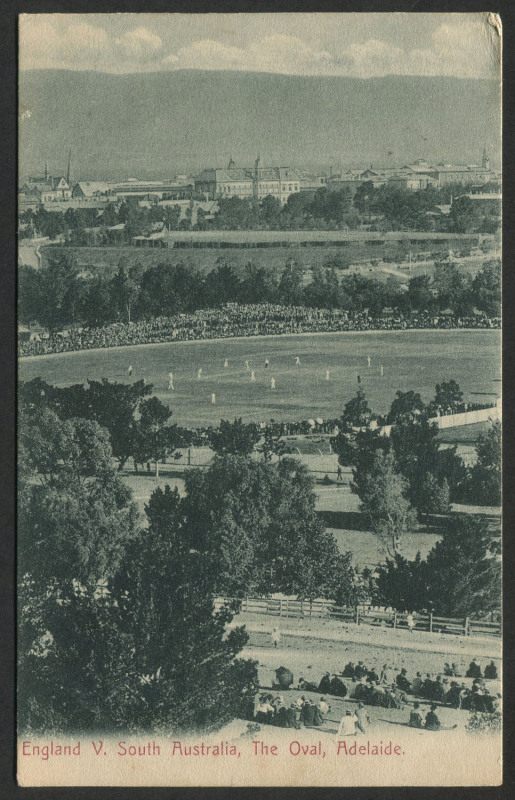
116	623
59	295
234	438
257	522
460	577
484	485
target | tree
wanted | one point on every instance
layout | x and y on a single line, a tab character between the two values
405	406
258	284
420	296
109	215
486	288
448	397
221	285
357	412
270	211
124	291
59	292
29	294
402	584
434	496
454	288
154	439
166	587
75	519
383	500
113	405
290	284
95	302
257	525
357	441
464	571
77	511
234	438
273	444
484	486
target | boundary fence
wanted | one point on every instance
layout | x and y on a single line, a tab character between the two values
363	615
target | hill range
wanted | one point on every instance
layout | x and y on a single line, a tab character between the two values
156	124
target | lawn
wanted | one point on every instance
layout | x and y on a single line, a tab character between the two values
410	359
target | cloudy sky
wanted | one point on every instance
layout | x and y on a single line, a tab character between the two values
358	45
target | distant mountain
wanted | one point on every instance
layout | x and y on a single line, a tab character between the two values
158	124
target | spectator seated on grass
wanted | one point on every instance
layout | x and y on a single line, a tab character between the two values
325	683
402	681
474	670
292	716
348	670
307	686
415	718
360	670
337	687
432	722
416	684
453	696
491	671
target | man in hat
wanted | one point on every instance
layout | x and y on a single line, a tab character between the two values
474	670
348	670
416	684
307	713
402	681
432	722
360	670
386	675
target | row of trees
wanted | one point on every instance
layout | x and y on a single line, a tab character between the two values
402	209
389	208
60	294
138	424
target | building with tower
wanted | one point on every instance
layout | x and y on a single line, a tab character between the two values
246	182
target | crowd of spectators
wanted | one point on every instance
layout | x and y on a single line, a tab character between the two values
370	686
234	320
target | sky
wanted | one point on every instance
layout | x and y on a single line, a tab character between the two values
355	45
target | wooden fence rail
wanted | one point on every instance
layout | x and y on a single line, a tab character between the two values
362	615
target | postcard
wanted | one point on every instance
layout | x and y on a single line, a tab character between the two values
259	400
